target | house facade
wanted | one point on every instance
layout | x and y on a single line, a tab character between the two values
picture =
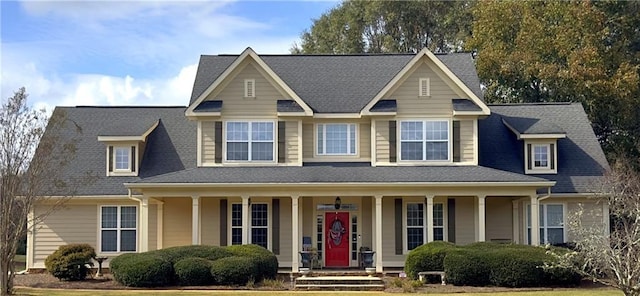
331	153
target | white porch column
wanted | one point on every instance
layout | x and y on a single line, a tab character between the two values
379	237
482	222
295	234
144	224
535	221
195	220
160	225
516	222
429	218
245	220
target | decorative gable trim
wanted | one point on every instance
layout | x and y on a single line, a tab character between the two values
414	61
246	54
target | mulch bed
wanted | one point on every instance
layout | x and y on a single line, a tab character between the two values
47	281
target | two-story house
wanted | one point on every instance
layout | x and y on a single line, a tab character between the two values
333	152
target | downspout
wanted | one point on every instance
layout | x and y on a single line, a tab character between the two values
543	197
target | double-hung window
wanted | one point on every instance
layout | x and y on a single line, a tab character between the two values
118	228
438	222
540	156
336	139
424	140
236	224
415	225
551	223
258	227
250	140
121	160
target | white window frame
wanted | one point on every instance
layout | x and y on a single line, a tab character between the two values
405	226
118	228
530	161
127	150
250	141
322	139
543	212
249	88
424	140
230	226
424	87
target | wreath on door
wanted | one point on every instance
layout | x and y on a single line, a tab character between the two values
336	231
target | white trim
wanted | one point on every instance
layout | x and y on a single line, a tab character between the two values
521	136
248	53
374	143
475	142
141	138
346	184
541	170
199	144
356	151
543	214
414	61
132	166
337	115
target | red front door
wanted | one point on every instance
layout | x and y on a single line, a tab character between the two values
336	231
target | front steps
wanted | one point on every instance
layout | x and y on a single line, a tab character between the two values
339	281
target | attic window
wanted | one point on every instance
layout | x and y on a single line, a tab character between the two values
424	87
121	160
541	158
249	88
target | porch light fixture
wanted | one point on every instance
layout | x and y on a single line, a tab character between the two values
337	203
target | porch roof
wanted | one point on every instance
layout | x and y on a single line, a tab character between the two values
342	173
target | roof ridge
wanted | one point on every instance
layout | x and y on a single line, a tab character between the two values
123	107
533	104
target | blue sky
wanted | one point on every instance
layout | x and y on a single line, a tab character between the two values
69	53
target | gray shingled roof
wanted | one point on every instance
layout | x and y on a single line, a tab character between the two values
340	173
532	126
465	105
209	106
288	106
385	106
581	161
336	83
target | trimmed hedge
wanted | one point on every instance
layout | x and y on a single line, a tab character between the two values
504	265
175	254
142	270
265	260
233	270
428	257
71	262
193	272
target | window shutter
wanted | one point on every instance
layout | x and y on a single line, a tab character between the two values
218	142
456	141
282	147
393	156
223	222
110	157
275	222
552	156
133	158
530	161
451	219
398	222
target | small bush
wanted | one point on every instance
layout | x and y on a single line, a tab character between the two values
175	254
142	270
265	261
233	270
466	267
428	257
193	272
71	262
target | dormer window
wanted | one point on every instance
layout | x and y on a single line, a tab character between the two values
249	88
122	160
424	89
540	157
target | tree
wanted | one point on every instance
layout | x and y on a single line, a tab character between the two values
31	161
569	51
612	259
357	26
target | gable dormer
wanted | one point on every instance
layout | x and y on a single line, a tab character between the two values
124	148
540	139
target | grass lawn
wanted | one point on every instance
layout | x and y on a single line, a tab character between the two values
52	292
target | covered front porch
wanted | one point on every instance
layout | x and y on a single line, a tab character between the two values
336	221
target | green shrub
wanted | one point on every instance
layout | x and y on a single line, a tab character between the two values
265	261
511	267
142	270
466	267
71	262
428	257
233	270
175	254
193	272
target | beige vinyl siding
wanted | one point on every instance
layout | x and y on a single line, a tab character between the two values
210	221
466	141
389	231
382	141
208	147
366	222
57	229
410	104
234	102
465	222
591	216
153	227
293	149
309	142
285	231
499	218
177	222
308	217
